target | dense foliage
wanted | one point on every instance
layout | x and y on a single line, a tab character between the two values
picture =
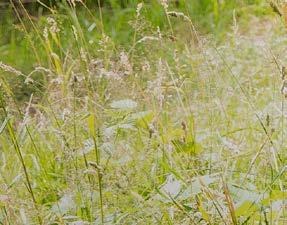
143	112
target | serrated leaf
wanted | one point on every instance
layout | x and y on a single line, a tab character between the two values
107	147
65	204
125	104
197	184
88	147
172	186
139	115
142	119
242	195
111	131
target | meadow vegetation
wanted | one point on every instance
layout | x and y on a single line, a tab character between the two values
143	112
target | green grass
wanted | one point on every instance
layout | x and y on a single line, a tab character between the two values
148	118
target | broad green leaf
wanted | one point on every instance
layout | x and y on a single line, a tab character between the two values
111	131
242	195
246	208
274	196
65	204
197	184
203	213
125	104
141	119
140	115
172	186
190	147
88	147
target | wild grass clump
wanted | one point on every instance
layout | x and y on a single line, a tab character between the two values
168	126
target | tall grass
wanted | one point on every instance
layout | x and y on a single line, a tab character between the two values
135	114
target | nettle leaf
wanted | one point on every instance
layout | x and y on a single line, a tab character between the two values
275	195
107	147
65	204
171	133
141	119
140	115
112	130
276	206
242	195
88	147
170	188
126	126
246	201
246	208
78	222
109	219
197	184
125	104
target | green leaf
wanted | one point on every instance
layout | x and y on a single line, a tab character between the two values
125	104
142	119
190	147
246	209
91	125
275	195
197	184
140	115
65	204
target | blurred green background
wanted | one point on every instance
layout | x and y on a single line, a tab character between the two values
22	23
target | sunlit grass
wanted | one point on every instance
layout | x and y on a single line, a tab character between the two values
169	126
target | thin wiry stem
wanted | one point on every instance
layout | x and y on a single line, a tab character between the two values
100	176
18	150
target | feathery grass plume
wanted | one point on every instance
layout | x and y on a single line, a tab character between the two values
235	24
179	14
146	66
45	34
75	32
155	86
164	3
53	25
10	69
84	55
148	38
139	8
125	63
150	157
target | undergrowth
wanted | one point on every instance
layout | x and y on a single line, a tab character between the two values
167	125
